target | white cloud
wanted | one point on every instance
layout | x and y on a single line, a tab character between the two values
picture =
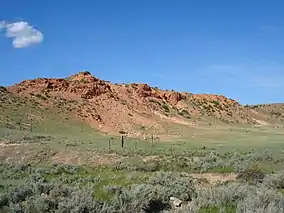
22	33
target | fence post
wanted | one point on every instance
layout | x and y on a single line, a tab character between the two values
109	144
7	123
135	144
152	139
122	141
31	126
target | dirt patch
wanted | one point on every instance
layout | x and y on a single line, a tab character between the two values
150	158
6	144
261	122
174	119
214	178
91	158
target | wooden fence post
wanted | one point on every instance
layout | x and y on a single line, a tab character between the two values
135	144
109	141
122	141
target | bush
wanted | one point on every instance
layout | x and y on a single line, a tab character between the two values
261	199
252	174
40	96
140	198
166	108
2	88
4	200
178	185
155	101
275	181
184	113
139	165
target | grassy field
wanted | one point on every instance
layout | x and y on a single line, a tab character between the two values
63	165
34	181
76	171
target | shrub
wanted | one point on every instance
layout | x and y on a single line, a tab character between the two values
143	127
20	194
155	101
178	185
40	96
2	88
275	181
139	165
184	113
123	102
261	199
141	198
4	200
216	103
166	108
83	80
252	174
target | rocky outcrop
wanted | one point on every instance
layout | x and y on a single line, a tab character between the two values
173	97
82	84
129	106
144	90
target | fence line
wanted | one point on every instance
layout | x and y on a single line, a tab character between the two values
18	125
112	141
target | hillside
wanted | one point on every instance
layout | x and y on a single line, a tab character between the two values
137	109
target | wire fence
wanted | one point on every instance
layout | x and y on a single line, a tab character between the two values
18	125
108	142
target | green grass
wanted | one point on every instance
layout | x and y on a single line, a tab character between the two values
225	209
105	176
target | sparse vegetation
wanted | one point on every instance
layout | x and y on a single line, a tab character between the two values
166	107
184	113
155	101
83	80
124	102
216	103
276	114
40	96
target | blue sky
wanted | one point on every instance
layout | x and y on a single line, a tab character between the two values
234	48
